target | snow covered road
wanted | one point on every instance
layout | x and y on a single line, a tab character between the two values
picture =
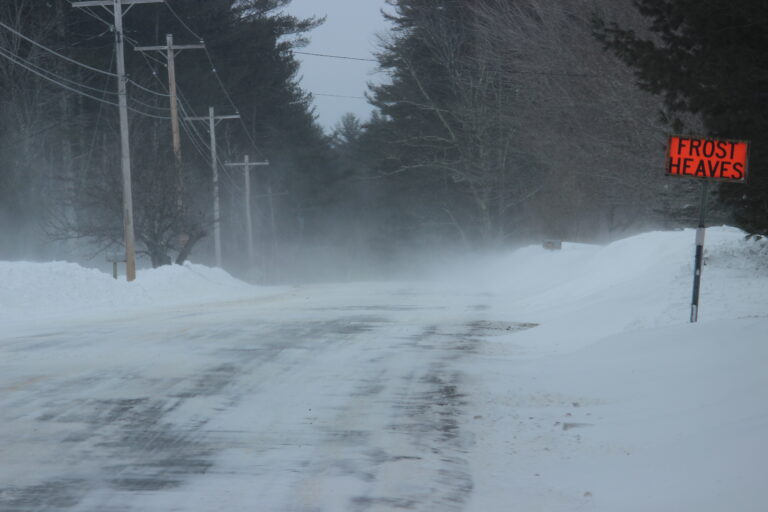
296	402
531	380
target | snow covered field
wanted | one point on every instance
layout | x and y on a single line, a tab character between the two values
534	380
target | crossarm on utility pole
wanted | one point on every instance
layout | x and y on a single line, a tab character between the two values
172	47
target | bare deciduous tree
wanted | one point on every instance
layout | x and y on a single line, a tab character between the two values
578	112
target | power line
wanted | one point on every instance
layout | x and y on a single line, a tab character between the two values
344	57
216	74
133	44
150	106
61	82
20	62
194	137
57	76
73	61
218	78
168	4
232	103
92	14
339	96
53	52
150	91
189	128
147	114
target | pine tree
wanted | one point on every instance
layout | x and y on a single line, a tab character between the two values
708	58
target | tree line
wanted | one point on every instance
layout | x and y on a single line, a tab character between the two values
514	120
59	135
499	122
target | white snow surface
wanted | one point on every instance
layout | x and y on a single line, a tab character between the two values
585	387
32	292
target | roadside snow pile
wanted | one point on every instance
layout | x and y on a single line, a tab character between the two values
615	401
644	281
43	290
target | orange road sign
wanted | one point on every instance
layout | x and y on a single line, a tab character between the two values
711	159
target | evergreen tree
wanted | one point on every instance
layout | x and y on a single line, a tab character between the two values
708	58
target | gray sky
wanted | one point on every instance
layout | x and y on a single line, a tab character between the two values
350	30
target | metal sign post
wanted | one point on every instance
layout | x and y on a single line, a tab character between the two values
699	252
708	160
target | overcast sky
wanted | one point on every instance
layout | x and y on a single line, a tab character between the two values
349	30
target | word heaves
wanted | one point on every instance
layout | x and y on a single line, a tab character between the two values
707	158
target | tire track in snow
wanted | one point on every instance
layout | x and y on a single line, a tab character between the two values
155	440
413	456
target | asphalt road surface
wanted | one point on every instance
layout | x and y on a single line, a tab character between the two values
315	399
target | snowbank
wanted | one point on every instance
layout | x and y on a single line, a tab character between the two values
34	291
615	401
644	281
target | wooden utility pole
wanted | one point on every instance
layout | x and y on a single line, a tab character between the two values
170	50
125	148
246	165
213	120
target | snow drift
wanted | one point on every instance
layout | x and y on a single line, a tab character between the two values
32	292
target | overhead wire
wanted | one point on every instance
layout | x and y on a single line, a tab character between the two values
194	135
214	71
130	41
133	44
518	72
329	56
191	125
56	76
145	89
72	61
198	140
232	103
147	114
92	14
170	8
150	106
54	52
339	96
218	78
60	81
20	62
184	112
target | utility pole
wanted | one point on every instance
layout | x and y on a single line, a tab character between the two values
246	165
213	120
170	50
125	148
